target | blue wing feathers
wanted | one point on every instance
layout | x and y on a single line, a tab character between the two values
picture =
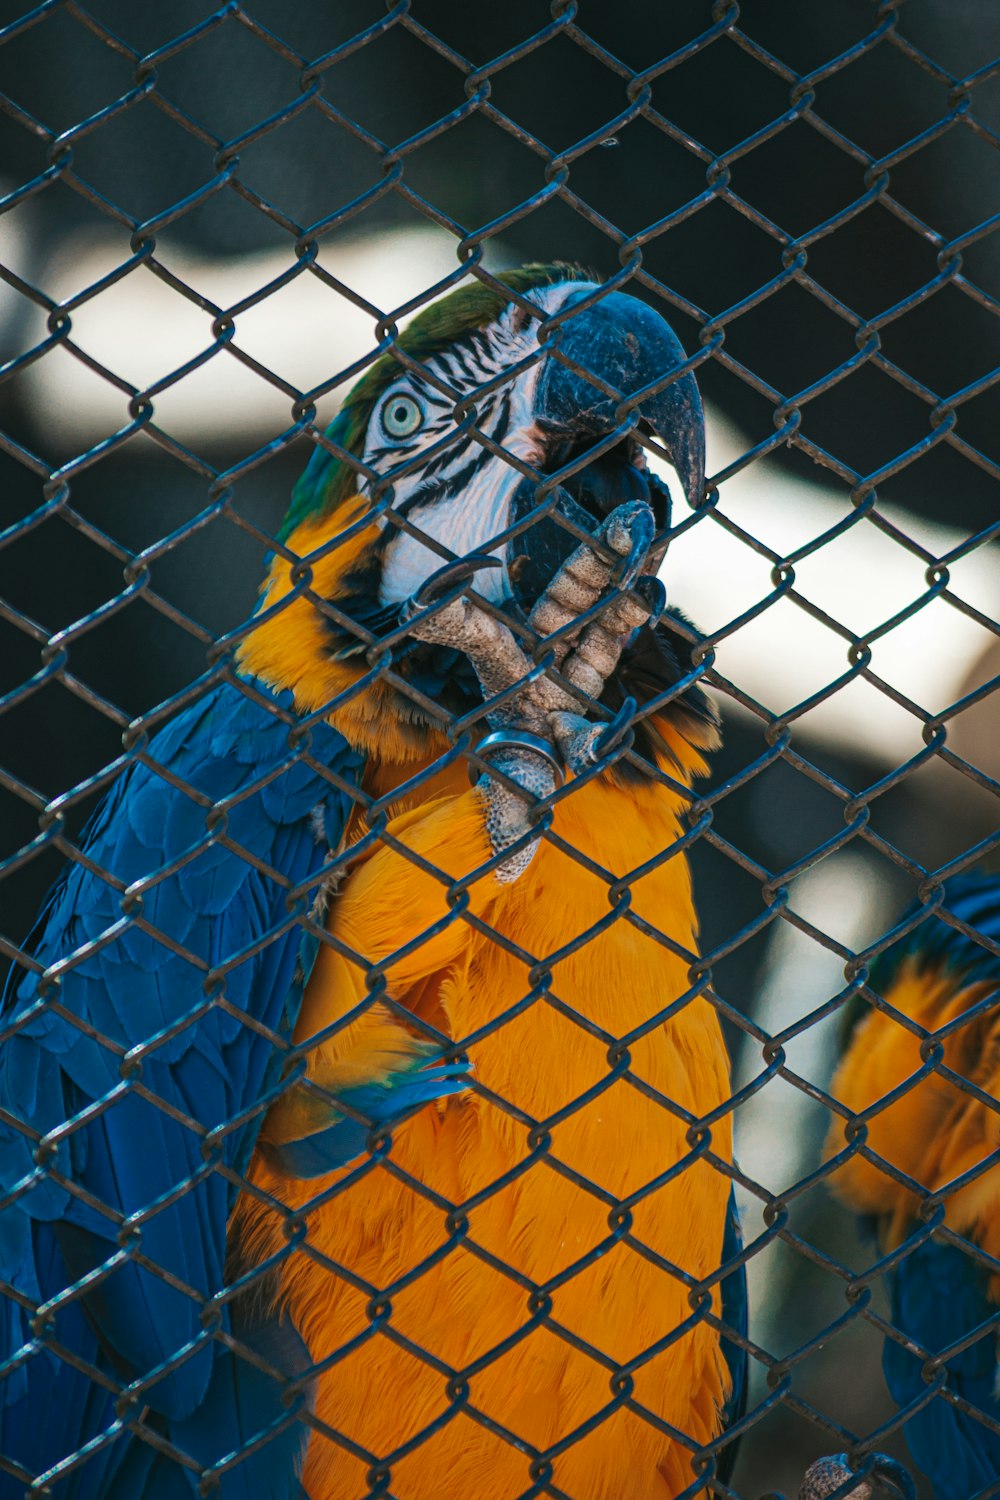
76	1408
974	900
244	1403
214	905
938	1298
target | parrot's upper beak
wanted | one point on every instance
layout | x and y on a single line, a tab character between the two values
628	347
618	344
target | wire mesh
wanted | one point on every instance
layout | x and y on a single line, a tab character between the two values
840	794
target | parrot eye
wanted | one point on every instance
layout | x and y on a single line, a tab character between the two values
402	416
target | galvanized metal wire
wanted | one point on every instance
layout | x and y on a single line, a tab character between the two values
643	99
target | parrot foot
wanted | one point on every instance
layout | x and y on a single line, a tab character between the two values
582	744
628	532
588	656
530	772
440	615
534	707
535	774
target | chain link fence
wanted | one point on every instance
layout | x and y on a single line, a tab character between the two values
214	224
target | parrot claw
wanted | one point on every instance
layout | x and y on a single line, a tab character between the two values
583	744
629	529
585	575
641	530
453	577
577	739
827	1475
523	702
618	731
654	595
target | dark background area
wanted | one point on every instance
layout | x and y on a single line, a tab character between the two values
142	162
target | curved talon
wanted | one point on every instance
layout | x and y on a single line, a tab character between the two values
576	737
459	571
654	596
642	530
894	1476
615	731
583	744
619	527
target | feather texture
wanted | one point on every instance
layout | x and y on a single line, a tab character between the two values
257	1394
385	1102
939	1298
538	1217
209	945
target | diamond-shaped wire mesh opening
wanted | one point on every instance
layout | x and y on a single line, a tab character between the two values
230	1257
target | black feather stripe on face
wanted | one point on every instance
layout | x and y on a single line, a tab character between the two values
470	441
330	478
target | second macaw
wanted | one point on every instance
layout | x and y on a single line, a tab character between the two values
925	1076
294	919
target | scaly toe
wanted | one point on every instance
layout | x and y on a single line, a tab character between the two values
440	615
508	807
586	573
629	531
582	744
577	740
599	648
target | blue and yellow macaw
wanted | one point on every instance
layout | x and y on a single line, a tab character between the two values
293	922
938	1065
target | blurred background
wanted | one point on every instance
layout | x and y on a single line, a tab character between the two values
838	225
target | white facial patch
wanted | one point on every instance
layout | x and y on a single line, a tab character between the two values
464	528
460	493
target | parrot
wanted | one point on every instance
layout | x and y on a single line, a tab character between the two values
923	1074
362	1129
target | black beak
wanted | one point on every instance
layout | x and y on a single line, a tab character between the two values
628	347
622	346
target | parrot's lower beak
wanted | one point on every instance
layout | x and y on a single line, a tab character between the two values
604	357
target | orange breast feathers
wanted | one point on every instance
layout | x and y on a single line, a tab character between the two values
934	1131
485	1210
452	1286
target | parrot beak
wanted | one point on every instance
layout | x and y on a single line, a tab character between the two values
627	346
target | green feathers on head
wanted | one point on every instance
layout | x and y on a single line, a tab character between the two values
327	480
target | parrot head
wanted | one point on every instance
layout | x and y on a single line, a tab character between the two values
460	434
440	448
